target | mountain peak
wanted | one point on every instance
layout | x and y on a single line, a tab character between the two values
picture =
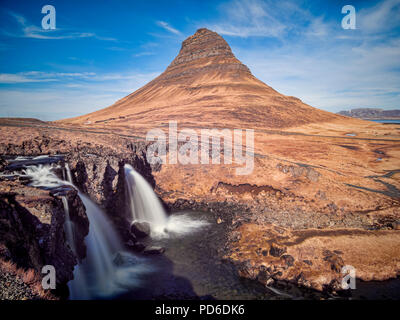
205	85
203	44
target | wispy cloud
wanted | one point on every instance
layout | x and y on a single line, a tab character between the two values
38	76
27	30
73	93
323	64
384	16
168	27
256	18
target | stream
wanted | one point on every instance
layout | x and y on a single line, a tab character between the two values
191	268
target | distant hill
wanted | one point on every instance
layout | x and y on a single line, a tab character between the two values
371	113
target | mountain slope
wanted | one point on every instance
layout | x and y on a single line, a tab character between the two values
206	85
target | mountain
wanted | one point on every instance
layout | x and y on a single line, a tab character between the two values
206	85
371	113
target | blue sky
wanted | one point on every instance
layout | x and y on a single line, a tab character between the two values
103	50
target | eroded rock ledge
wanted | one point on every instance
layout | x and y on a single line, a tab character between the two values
32	228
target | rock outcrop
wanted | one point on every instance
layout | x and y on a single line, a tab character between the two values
32	228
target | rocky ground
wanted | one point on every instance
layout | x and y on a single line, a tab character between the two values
20	284
321	197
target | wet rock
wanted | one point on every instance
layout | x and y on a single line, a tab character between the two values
140	229
276	250
154	250
135	246
118	260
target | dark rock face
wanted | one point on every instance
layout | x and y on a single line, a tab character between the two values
101	175
32	228
154	250
140	229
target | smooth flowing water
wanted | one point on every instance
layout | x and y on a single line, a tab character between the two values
107	270
145	206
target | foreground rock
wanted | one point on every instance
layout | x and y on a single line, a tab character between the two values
32	228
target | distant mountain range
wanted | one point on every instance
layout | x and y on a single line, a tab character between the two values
371	113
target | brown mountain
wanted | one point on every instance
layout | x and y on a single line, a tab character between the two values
207	85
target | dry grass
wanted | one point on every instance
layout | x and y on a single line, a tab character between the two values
29	276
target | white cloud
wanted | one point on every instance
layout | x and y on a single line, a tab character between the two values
168	27
382	17
38	76
256	18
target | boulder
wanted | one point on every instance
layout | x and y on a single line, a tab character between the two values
140	229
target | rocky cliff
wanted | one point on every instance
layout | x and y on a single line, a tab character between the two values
32	228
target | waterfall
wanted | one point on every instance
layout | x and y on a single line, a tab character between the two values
98	275
145	206
69	226
68	173
144	203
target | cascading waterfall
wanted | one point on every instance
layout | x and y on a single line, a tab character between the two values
68	173
98	268
69	226
145	206
97	275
